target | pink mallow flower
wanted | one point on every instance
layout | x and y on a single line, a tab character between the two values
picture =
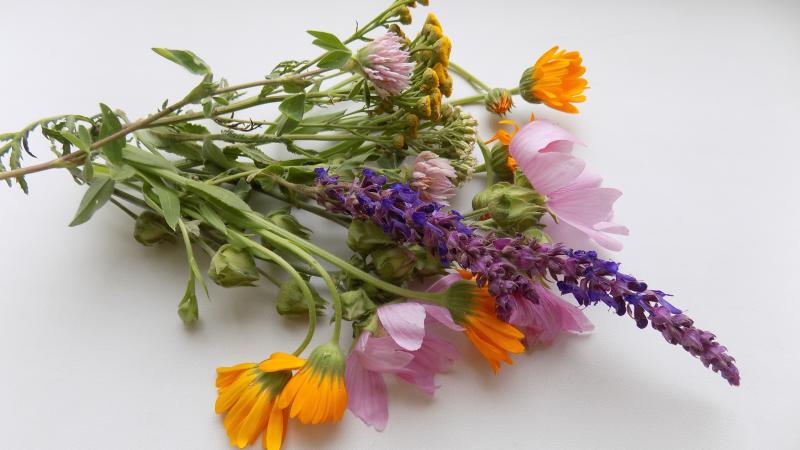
386	65
432	177
542	322
542	151
406	351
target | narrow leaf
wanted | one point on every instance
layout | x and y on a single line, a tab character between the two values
170	205
96	196
185	59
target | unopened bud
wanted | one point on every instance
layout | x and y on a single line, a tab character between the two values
231	266
363	237
499	101
151	229
356	305
393	263
292	302
288	222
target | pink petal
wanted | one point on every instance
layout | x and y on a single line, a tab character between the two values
381	354
444	282
613	228
587	206
404	322
435	356
367	396
570	317
549	172
442	315
542	136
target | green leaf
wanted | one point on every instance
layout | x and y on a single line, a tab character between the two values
85	136
76	141
327	40
213	154
96	196
218	194
170	205
185	59
334	59
295	86
137	156
213	218
111	124
294	107
123	173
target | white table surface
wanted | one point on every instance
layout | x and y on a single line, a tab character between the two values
693	112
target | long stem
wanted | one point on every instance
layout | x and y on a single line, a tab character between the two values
344	265
272	256
335	298
476	83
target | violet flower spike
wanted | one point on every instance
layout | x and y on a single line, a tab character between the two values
513	267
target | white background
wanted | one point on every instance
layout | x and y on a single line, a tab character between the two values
693	112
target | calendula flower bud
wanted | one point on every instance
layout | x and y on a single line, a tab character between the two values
427	263
499	101
284	219
363	237
393	263
151	229
433	20
499	161
292	302
231	266
514	208
356	305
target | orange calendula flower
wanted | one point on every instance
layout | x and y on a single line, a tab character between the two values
316	394
555	80
247	396
493	338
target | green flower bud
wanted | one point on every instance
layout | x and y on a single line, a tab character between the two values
233	267
363	237
398	141
498	160
356	305
427	264
151	229
393	263
513	208
284	219
291	301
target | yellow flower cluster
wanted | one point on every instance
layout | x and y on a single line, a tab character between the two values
431	50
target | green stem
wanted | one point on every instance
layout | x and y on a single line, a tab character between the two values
335	298
476	83
272	256
344	265
471	100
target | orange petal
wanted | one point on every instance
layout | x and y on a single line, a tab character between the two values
281	361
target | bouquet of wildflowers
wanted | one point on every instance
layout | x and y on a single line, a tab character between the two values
375	144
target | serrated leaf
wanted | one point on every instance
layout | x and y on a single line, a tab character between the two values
213	154
334	59
326	40
170	205
294	107
185	59
95	197
113	149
